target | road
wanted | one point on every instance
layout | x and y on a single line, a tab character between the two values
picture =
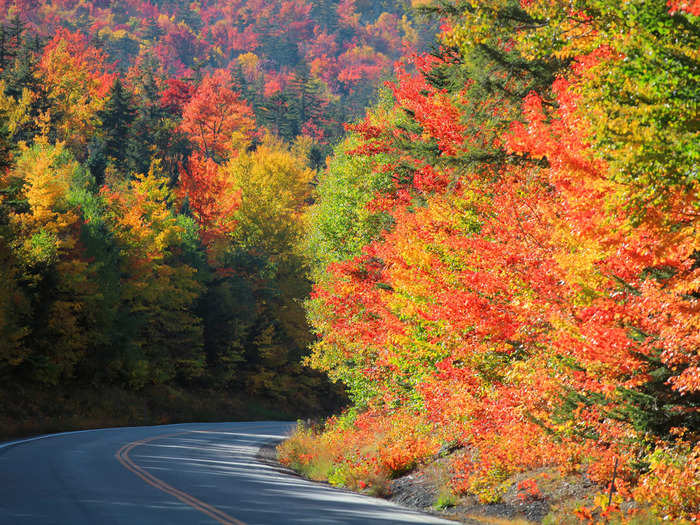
174	474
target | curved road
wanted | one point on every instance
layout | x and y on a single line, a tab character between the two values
175	474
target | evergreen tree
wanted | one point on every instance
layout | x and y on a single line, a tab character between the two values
304	93
497	76
116	121
324	13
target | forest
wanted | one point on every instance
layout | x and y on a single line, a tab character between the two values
157	161
467	228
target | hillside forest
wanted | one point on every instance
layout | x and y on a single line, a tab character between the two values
467	228
157	159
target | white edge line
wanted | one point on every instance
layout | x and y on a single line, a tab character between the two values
72	432
172	425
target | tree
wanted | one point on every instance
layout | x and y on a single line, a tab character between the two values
514	302
215	115
212	198
159	287
77	80
265	269
56	296
116	119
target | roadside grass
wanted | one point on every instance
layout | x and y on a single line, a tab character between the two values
304	454
445	500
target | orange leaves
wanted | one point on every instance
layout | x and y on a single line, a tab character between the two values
77	79
673	479
528	490
640	266
69	54
365	450
509	294
215	117
211	196
692	7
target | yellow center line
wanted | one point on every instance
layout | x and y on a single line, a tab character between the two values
122	456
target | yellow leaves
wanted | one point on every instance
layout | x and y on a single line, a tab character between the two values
149	233
275	184
47	184
476	25
146	223
47	228
17	111
75	80
250	65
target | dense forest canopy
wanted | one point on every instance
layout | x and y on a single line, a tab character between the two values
156	161
305	67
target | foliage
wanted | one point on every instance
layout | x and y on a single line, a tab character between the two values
49	303
214	115
531	286
77	82
671	484
150	222
304	66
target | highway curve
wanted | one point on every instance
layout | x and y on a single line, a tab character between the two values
174	474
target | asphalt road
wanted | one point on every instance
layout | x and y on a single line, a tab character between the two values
175	474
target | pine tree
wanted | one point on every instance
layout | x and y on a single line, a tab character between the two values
116	120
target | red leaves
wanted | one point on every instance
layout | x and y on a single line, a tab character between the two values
492	297
433	110
214	113
176	95
211	195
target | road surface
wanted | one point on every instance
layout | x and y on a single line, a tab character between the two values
184	474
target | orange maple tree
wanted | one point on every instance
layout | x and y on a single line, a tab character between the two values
214	114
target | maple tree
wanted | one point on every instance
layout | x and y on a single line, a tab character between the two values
77	79
212	197
215	116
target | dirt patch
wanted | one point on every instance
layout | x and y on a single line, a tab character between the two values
414	490
268	453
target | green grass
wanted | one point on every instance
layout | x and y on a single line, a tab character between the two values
445	500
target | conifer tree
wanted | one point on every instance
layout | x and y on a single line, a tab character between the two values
116	120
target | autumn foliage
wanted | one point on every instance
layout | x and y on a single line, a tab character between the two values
155	163
215	114
503	249
288	58
526	278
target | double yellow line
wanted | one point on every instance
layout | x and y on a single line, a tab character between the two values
122	456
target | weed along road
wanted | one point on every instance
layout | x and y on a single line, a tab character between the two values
175	474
